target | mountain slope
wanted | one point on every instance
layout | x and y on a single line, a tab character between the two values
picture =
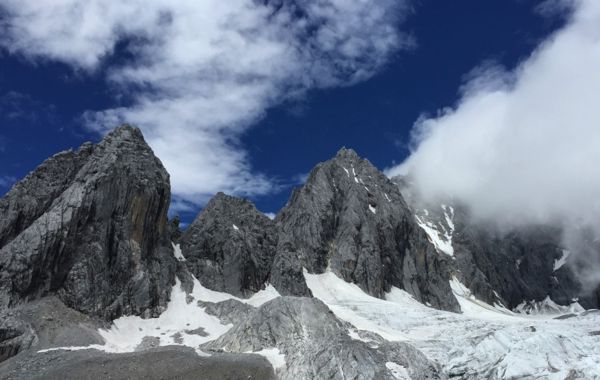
353	279
351	219
230	246
499	264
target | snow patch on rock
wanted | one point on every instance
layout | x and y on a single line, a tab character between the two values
398	372
560	262
441	240
273	355
182	323
177	252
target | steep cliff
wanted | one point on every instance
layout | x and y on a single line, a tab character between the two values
230	246
500	263
351	219
90	226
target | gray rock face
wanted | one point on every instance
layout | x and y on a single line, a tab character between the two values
174	230
15	336
350	218
316	344
43	324
33	196
517	265
498	264
230	246
229	311
90	226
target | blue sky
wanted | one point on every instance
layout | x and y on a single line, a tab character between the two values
44	97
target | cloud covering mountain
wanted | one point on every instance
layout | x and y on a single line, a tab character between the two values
523	145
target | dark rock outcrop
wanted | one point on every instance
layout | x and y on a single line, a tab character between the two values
351	219
174	229
230	246
229	311
91	227
509	265
517	265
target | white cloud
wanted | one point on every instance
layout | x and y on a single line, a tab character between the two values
522	146
201	72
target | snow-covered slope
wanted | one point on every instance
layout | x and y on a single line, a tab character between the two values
483	342
439	227
184	322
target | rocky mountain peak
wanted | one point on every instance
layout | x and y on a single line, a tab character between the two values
351	219
85	235
230	246
231	206
125	132
90	226
347	154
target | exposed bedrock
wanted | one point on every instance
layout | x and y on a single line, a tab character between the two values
351	219
316	344
91	227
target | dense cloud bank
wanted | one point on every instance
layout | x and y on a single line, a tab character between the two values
523	146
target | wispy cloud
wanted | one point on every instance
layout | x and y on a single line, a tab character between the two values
300	179
7	181
523	146
202	72
19	107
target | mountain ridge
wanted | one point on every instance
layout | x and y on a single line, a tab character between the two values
351	266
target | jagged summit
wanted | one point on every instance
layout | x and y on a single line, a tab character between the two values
348	218
347	153
224	202
90	226
351	219
230	246
125	132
